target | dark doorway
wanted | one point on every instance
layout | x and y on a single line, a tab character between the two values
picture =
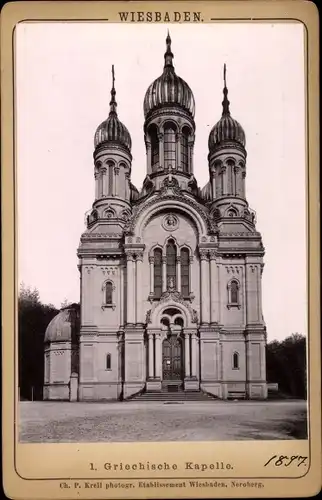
172	359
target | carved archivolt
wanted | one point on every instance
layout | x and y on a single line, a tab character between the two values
185	202
168	297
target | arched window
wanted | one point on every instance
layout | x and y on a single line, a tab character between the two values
157	272
179	321
108	293
185	285
169	145
110	174
171	253
153	133
235	361
165	321
185	150
108	362
234	292
232	212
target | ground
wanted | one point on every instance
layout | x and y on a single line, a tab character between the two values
157	421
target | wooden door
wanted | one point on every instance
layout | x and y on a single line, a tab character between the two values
172	358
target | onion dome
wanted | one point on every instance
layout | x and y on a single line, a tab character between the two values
134	192
65	325
112	129
169	89
206	192
227	129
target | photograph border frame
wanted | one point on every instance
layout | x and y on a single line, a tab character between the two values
312	215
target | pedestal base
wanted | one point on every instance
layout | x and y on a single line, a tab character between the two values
132	388
154	384
191	384
213	388
257	390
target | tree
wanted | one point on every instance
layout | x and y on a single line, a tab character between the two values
286	365
33	319
65	303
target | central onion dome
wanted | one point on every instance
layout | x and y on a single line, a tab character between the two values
169	89
227	129
112	130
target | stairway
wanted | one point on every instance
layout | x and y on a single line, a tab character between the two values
173	397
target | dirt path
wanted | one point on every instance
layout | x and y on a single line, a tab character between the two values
93	422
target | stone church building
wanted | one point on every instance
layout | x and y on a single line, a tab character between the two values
170	275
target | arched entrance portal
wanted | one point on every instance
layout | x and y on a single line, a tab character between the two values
172	350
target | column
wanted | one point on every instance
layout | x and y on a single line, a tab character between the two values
259	291
190	157
130	287
100	184
193	355
224	180
178	151
104	181
121	295
204	295
115	180
187	354
190	273
139	261
243	183
251	293
247	365
214	299
148	156
96	175
151	355
213	184
127	185
178	274
158	355
151	263
236	171
164	274
263	361
161	150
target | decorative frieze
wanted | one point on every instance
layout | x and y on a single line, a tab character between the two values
97	236
109	270
234	269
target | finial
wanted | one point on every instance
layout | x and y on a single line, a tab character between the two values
168	56
225	103
113	103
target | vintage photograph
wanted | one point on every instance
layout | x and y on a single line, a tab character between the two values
161	231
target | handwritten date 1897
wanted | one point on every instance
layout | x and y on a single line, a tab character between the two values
287	461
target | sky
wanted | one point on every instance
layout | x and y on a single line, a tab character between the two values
63	82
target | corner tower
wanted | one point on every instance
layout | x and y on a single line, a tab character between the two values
169	126
239	259
227	162
101	262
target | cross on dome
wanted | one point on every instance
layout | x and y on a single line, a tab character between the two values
225	103
113	103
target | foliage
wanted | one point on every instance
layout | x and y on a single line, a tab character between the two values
286	365
33	319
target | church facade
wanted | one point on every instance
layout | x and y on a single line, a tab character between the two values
170	276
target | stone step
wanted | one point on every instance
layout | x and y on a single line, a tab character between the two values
173	396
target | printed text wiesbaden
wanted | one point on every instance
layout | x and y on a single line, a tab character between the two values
161	17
